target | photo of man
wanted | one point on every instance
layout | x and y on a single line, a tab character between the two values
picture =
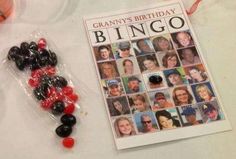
143	46
104	53
114	88
190	115
123	50
147	125
174	77
134	84
211	112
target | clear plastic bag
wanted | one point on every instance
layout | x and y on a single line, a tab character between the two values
41	73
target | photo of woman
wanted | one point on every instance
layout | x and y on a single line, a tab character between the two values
182	96
148	63
108	70
161	43
124	127
118	106
196	74
203	92
166	121
170	60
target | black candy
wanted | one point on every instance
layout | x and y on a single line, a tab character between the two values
63	130
24	46
155	79
41	92
58	107
13	53
46	80
68	119
59	81
44	57
33	45
52	59
20	63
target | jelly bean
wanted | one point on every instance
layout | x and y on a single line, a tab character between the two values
63	130
68	142
42	43
13	53
59	81
68	119
33	45
69	109
58	107
67	90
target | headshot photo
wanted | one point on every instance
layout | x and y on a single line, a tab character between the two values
118	106
139	103
189	56
155	81
182	96
133	84
162	43
113	87
211	112
203	92
167	119
103	53
148	63
175	77
170	60
108	70
128	66
124	127
182	39
146	122
143	47
122	50
190	115
160	100
196	74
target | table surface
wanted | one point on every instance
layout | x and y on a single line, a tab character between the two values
27	132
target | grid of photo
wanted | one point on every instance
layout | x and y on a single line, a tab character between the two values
156	84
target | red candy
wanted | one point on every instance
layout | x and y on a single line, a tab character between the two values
33	82
50	71
36	73
69	109
47	103
42	43
67	90
73	97
68	142
51	91
59	96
